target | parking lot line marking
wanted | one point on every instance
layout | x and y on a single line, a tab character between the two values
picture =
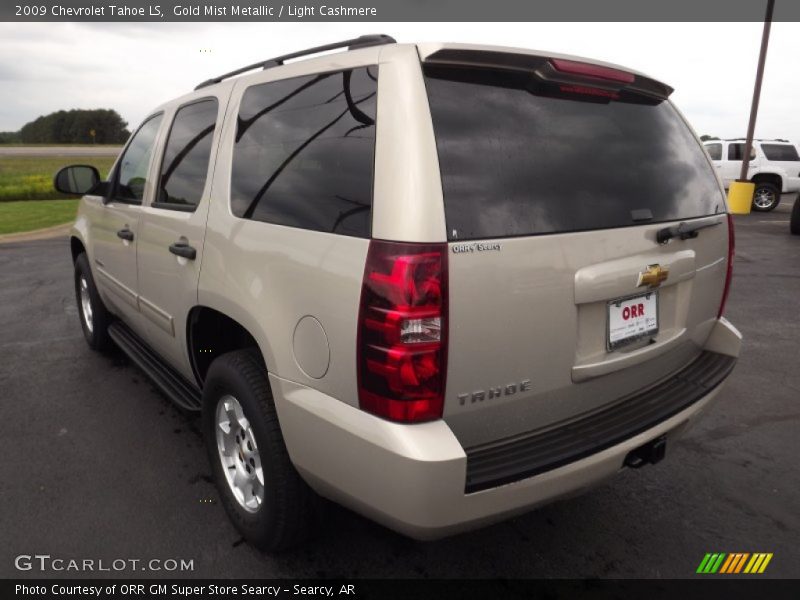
776	222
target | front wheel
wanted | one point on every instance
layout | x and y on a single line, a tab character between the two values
268	502
766	197
94	316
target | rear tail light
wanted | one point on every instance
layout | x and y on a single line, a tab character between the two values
729	272
402	331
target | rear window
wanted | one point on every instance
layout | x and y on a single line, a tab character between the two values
736	152
521	157
783	152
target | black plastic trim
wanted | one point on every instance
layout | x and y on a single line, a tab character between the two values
189	208
176	387
512	459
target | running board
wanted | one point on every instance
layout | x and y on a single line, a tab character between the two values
182	392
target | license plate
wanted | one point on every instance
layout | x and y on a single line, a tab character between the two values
630	319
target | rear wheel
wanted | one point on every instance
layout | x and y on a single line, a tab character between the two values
94	316
794	222
766	197
268	502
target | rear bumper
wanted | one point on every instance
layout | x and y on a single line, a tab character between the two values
791	184
412	478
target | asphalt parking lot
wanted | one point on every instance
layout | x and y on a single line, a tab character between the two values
97	464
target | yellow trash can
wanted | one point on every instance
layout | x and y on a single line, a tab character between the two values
740	197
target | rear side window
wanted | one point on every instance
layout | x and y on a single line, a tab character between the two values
714	151
521	157
736	152
304	152
782	152
185	164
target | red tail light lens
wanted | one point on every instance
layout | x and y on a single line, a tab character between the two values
572	67
402	331
729	272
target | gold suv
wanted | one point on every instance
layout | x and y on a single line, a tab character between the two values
437	283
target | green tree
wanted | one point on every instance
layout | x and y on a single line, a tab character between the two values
75	127
9	137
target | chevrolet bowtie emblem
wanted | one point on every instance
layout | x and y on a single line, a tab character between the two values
653	276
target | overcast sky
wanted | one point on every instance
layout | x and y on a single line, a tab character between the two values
133	67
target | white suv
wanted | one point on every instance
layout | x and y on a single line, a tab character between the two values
378	276
774	167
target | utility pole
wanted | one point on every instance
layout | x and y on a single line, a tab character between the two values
740	194
762	57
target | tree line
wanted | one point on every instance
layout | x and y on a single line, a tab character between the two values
77	126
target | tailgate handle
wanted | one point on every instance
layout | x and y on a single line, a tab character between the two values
683	230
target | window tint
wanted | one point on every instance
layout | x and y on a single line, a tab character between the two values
736	152
134	163
780	152
714	151
521	157
185	164
304	152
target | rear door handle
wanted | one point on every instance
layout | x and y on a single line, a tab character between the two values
125	234
183	249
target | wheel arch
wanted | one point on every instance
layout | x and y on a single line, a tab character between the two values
773	178
211	333
76	247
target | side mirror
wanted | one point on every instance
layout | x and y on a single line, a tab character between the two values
76	179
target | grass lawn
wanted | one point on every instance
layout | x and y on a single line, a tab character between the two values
31	177
27	215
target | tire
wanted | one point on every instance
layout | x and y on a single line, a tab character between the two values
794	221
288	511
766	197
93	314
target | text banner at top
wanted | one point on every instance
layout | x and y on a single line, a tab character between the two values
400	10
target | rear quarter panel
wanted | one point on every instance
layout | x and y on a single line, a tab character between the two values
268	277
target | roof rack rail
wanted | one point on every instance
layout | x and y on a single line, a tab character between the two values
755	140
353	44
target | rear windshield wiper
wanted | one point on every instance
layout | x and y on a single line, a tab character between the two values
683	230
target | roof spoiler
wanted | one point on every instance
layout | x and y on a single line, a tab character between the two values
553	69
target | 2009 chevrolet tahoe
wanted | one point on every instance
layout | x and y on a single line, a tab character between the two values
437	283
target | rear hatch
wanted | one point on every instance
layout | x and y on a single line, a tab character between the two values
557	179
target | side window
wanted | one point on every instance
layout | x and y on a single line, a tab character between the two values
736	152
714	151
185	164
780	152
304	152
132	171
